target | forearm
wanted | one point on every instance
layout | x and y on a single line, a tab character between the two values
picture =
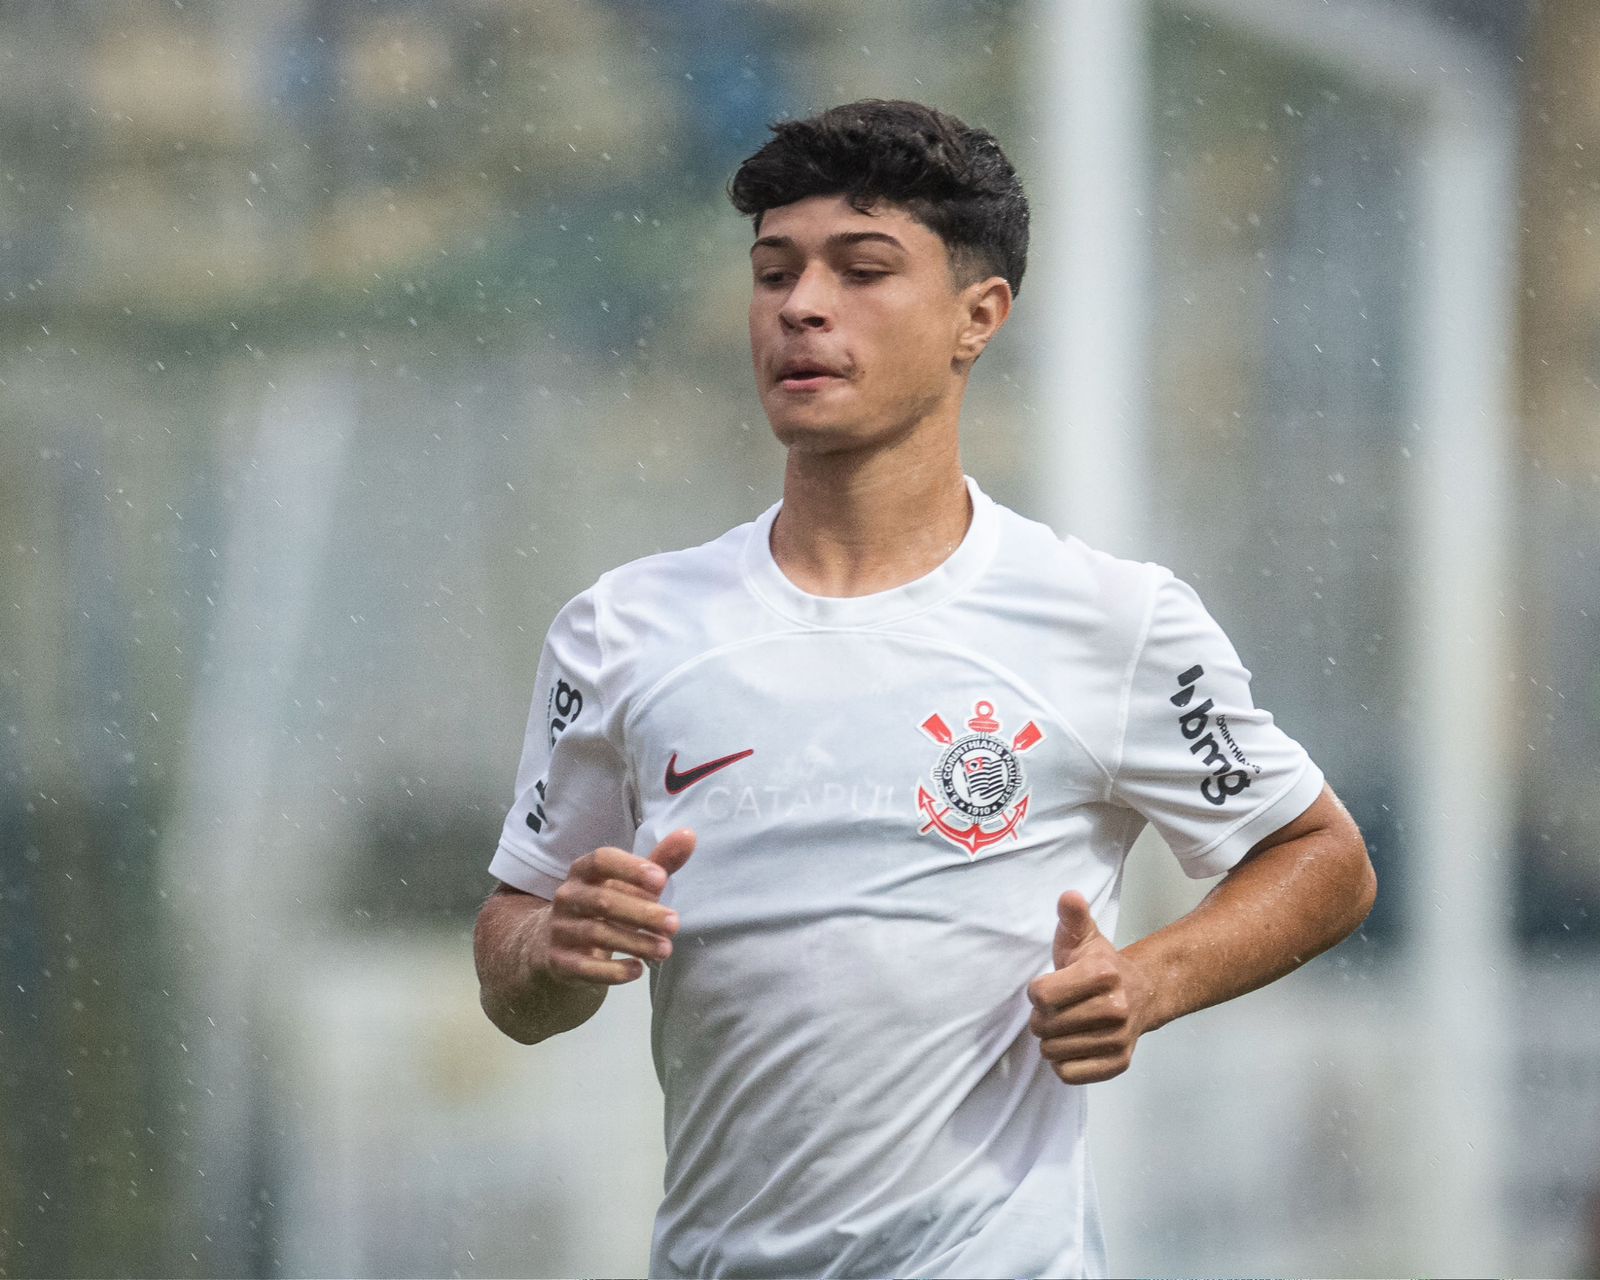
1279	908
515	988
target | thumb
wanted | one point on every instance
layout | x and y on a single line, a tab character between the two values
673	851
1075	926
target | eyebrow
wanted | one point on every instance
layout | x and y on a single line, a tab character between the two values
839	238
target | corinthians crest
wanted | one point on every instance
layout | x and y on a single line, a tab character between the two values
980	790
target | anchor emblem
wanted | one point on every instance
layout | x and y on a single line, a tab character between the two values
978	777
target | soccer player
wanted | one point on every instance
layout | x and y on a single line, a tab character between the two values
856	780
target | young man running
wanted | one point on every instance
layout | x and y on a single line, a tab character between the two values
857	779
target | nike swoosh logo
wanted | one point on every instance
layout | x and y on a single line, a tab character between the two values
677	782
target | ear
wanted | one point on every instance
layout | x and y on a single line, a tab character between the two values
983	309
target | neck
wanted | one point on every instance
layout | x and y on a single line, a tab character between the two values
853	523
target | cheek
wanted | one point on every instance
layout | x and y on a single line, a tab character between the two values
917	354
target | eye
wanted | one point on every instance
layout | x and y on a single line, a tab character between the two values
866	273
771	276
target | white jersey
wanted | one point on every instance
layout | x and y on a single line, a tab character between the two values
890	792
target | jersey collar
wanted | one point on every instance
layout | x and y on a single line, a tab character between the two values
959	571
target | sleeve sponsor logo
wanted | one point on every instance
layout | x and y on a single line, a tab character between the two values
564	705
1195	724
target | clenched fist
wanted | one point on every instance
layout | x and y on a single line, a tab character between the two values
1087	1014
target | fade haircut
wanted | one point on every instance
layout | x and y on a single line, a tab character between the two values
950	177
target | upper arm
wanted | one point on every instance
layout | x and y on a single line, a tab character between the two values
572	788
1211	770
1326	814
1332	843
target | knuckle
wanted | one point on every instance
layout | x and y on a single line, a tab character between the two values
624	908
569	896
564	965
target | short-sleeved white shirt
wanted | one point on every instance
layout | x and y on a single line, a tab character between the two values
890	793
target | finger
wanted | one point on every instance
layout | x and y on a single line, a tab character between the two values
604	937
1090	1070
607	863
1082	1048
612	901
673	851
1075	926
1080	981
577	966
632	890
1099	1013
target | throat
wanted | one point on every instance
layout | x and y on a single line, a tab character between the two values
884	546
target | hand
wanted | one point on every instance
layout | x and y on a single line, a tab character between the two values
1087	1013
609	902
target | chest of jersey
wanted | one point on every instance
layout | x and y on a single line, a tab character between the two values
825	771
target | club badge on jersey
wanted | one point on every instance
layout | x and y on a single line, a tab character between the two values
980	791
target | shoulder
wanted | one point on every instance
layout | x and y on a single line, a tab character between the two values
659	603
1100	590
667	573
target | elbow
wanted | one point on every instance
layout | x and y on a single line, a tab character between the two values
1351	882
1369	884
489	941
494	1010
1362	893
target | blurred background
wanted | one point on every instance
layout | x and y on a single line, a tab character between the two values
344	342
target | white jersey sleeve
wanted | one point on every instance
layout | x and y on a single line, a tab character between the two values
1199	759
572	788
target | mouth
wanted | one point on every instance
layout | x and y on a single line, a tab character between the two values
808	382
801	376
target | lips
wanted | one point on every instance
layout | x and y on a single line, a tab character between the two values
802	374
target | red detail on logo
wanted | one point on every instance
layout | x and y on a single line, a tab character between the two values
973	838
677	782
983	720
1027	736
938	730
977	780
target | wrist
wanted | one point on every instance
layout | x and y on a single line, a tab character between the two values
1146	990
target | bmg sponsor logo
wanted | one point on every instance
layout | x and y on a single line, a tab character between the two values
1223	780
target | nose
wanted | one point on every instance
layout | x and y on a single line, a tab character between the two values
810	303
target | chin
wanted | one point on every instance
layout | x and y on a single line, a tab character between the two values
816	437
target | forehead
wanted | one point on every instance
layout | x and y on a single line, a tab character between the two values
810	225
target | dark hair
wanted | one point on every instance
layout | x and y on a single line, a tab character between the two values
950	177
